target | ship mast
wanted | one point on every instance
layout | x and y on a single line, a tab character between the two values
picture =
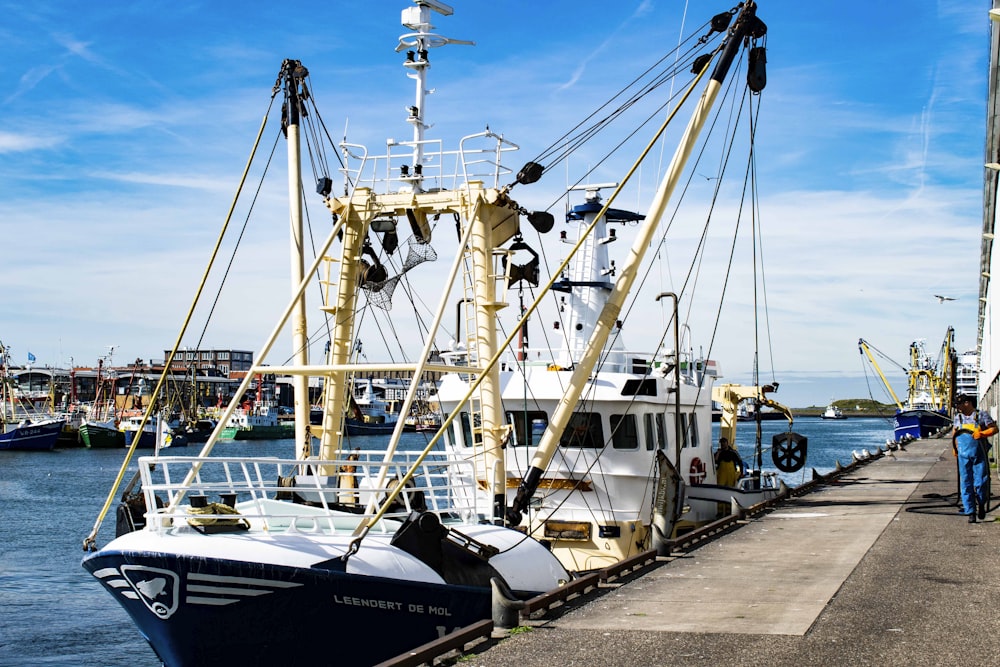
294	75
417	44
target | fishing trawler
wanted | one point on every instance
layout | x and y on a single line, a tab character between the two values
930	388
218	557
21	428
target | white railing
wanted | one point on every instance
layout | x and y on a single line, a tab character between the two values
635	362
314	495
440	169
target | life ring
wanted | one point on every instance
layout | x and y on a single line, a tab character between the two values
697	473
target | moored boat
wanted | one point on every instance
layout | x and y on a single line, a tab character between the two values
101	435
257	422
40	435
369	413
393	547
930	389
20	429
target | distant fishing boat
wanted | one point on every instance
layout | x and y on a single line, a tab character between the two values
257	422
102	435
19	429
929	389
833	412
369	413
30	435
99	430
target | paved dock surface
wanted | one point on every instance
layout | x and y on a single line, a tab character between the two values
876	568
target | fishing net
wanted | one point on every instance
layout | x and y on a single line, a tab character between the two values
379	294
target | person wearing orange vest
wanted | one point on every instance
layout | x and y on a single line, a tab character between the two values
969	440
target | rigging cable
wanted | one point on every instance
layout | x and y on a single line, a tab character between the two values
90	542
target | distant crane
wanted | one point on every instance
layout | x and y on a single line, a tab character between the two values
942	299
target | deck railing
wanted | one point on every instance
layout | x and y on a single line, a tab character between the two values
313	495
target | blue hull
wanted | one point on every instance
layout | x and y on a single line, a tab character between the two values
146	441
34	437
357	427
197	611
913	424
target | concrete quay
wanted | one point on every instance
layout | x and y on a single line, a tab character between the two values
874	568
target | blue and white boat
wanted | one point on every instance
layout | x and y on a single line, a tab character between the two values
929	389
21	429
232	559
39	435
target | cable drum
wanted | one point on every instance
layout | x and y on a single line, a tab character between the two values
788	451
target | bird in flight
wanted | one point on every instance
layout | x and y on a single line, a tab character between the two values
942	299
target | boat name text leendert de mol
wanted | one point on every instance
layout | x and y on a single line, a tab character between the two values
389	604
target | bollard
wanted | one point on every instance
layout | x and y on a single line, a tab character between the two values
506	609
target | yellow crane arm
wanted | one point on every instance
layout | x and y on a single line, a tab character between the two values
863	346
729	397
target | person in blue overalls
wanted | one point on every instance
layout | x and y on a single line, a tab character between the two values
969	440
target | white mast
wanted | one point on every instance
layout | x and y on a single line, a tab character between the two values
591	278
419	19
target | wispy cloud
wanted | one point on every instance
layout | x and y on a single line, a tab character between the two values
11	142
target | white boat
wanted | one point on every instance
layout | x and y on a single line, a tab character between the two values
391	548
833	412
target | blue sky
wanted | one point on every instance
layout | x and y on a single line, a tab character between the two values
125	126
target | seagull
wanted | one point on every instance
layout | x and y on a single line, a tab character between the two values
942	299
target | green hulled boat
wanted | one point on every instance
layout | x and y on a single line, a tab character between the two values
101	435
257	423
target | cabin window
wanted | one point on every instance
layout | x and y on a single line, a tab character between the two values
584	430
685	432
655	433
646	387
467	430
691	431
529	425
448	440
624	432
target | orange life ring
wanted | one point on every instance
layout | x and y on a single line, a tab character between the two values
697	473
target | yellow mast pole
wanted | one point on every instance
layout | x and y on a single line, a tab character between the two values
549	443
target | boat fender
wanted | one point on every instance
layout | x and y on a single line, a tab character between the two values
788	451
697	472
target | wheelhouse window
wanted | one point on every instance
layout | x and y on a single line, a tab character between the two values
624	432
529	425
449	433
690	430
655	433
467	430
584	430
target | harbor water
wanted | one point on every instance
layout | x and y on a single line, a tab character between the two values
53	613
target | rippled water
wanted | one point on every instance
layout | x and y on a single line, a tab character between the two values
53	613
